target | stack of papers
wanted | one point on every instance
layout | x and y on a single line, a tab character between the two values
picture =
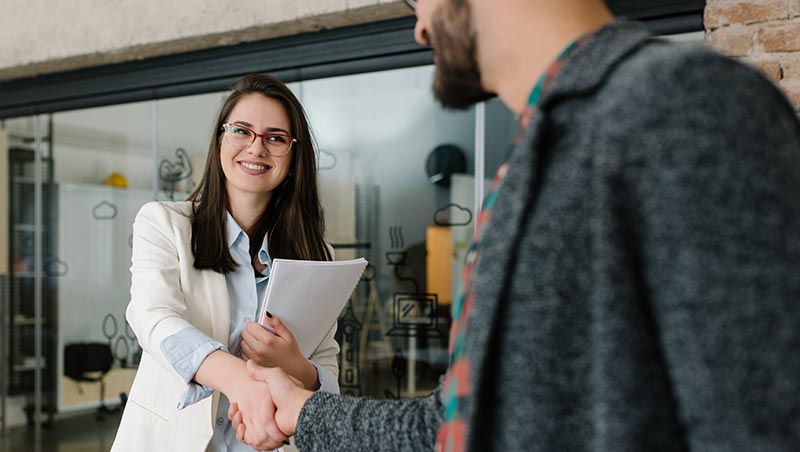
307	296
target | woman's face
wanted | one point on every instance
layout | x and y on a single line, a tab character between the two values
250	171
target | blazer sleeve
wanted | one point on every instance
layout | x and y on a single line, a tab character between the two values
325	359
157	308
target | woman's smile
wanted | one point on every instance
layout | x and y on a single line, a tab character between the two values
254	168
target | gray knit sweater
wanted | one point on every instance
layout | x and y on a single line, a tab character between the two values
639	286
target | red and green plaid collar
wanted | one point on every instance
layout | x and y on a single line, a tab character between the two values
456	389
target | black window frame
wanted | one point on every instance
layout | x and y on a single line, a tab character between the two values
349	50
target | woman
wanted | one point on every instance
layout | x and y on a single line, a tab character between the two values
199	270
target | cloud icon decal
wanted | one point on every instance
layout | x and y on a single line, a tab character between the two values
452	215
104	211
327	160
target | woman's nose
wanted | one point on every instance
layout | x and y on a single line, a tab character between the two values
257	148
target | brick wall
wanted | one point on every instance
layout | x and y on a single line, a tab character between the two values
763	33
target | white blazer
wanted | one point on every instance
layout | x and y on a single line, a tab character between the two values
167	295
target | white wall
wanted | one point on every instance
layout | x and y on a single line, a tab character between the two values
43	36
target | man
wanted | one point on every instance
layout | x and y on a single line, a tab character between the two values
637	285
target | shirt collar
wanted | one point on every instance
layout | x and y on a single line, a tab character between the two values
544	81
554	67
235	233
596	54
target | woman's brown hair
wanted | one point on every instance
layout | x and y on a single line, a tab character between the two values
293	218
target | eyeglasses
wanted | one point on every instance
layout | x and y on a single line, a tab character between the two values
276	144
412	4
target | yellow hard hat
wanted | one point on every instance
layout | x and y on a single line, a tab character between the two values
117	180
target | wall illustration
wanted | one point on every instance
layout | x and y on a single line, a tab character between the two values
171	173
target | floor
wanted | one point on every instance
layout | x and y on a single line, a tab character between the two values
81	433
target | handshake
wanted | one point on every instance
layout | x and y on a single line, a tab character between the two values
266	419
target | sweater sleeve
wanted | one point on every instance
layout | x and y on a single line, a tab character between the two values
335	423
711	187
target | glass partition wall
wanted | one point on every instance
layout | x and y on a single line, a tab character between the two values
104	173
29	301
398	187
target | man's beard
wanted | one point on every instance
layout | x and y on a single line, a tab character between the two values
457	79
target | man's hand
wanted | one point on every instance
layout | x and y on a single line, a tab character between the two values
288	397
229	375
257	410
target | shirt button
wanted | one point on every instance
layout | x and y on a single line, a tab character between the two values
219	422
248	319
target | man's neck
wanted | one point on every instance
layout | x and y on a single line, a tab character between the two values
530	43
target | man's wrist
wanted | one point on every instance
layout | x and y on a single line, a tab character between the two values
300	398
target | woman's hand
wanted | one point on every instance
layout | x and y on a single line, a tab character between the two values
228	374
256	409
288	398
277	349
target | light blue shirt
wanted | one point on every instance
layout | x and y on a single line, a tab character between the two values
187	349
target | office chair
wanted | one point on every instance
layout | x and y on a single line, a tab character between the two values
90	362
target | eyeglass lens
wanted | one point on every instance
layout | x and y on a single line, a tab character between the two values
276	144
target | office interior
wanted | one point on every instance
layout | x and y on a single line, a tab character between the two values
400	180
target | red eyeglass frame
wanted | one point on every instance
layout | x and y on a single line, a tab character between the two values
261	135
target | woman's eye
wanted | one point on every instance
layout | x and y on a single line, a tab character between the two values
277	139
240	131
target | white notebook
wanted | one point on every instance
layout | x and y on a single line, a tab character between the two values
307	296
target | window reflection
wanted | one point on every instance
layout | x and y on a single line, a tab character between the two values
103	174
397	187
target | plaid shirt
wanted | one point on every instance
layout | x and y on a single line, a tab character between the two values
452	434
